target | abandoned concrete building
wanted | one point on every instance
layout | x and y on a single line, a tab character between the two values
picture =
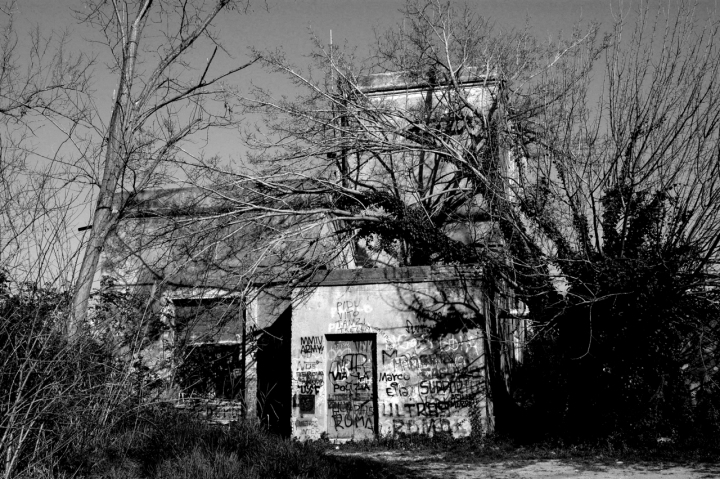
352	350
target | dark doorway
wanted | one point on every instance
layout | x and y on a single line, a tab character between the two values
274	379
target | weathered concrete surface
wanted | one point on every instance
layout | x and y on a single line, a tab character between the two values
439	466
364	361
404	95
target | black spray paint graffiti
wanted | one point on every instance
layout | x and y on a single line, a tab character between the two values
415	362
351	414
311	345
430	384
308	365
430	408
396	390
425	426
310	382
462	385
350	387
394	377
307	404
347	309
352	325
455	388
351	373
349	319
416	329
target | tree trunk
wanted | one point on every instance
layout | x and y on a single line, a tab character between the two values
105	219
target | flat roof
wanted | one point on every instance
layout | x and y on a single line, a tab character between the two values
407	274
403	80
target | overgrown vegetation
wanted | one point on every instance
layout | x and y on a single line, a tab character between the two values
603	213
57	400
85	410
583	172
164	443
632	355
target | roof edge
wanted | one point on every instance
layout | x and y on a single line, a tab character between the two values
401	81
407	274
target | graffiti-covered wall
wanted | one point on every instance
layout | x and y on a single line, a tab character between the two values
373	355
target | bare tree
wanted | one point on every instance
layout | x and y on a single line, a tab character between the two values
414	171
40	83
581	173
47	388
429	174
623	189
161	101
550	178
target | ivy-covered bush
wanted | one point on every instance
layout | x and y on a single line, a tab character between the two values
631	354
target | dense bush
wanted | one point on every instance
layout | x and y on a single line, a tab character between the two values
631	355
57	396
163	442
76	408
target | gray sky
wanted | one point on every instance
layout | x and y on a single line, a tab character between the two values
288	24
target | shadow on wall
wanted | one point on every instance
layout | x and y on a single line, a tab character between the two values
490	307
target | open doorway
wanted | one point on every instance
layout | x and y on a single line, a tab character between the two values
274	375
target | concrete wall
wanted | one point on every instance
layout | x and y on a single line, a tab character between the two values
370	359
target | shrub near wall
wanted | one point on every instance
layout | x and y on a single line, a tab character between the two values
58	399
630	367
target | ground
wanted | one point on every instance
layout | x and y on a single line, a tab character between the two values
415	465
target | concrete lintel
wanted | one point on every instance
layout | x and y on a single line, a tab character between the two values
409	274
402	81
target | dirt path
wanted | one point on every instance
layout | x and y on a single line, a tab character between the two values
417	466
